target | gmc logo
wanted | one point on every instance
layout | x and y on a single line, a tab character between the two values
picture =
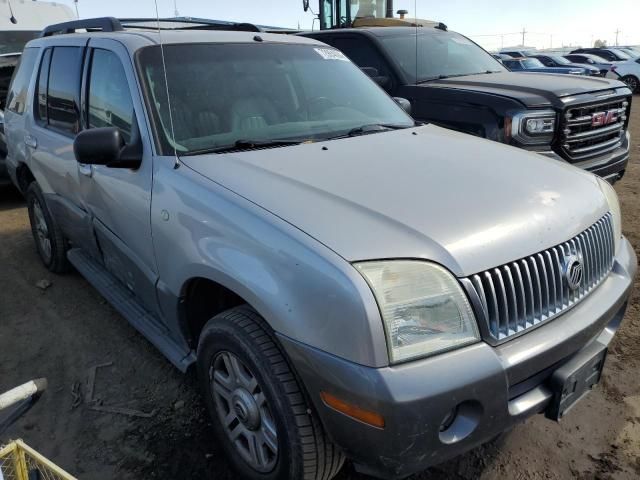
600	119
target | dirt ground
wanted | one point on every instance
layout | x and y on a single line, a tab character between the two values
61	332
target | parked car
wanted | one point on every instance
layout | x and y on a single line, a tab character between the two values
534	65
348	284
500	56
610	54
551	60
8	63
628	72
633	52
459	85
517	53
593	60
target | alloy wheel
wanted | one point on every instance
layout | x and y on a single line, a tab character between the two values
244	411
632	83
42	231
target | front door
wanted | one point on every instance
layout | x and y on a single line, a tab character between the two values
119	199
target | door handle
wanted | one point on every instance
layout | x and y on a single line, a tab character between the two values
30	141
86	170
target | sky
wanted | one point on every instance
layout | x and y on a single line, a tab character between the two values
492	23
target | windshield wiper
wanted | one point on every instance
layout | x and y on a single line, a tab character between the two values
245	145
371	128
442	77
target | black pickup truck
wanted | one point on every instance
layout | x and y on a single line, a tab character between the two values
453	82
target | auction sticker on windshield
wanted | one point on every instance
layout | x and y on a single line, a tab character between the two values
331	54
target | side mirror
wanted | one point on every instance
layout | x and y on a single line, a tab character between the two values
374	75
404	103
305	5
106	146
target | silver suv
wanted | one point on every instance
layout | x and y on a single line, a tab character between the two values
347	283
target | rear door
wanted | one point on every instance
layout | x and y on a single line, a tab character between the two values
49	136
118	199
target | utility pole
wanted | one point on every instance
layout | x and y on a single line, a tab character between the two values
524	32
76	4
175	8
618	32
551	41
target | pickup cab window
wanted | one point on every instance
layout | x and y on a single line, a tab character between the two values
362	52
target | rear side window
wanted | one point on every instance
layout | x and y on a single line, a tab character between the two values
62	89
17	98
110	103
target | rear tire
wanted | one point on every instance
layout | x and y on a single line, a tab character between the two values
632	82
254	397
50	242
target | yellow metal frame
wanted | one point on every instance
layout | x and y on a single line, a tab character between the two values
26	458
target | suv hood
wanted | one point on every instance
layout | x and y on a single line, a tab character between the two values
426	192
532	89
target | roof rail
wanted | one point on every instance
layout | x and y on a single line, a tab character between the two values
188	23
104	24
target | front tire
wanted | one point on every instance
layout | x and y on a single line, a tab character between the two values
259	411
632	82
50	242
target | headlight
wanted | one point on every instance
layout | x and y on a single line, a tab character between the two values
614	208
423	307
532	128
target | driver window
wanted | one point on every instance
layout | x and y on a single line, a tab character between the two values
110	103
362	53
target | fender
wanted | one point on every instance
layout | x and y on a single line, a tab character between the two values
304	290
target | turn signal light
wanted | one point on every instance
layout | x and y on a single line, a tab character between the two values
365	416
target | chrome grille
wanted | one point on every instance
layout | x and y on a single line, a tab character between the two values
582	139
522	294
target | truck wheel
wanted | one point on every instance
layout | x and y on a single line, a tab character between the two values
632	82
50	243
260	414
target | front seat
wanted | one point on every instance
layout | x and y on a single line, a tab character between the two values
252	110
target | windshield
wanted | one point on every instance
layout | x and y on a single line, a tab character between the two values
532	63
223	94
440	54
561	60
14	42
620	54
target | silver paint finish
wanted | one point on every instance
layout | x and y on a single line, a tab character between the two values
438	195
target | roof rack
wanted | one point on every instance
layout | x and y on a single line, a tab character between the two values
188	23
111	24
104	24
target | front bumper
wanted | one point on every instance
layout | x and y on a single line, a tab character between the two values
493	388
610	166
